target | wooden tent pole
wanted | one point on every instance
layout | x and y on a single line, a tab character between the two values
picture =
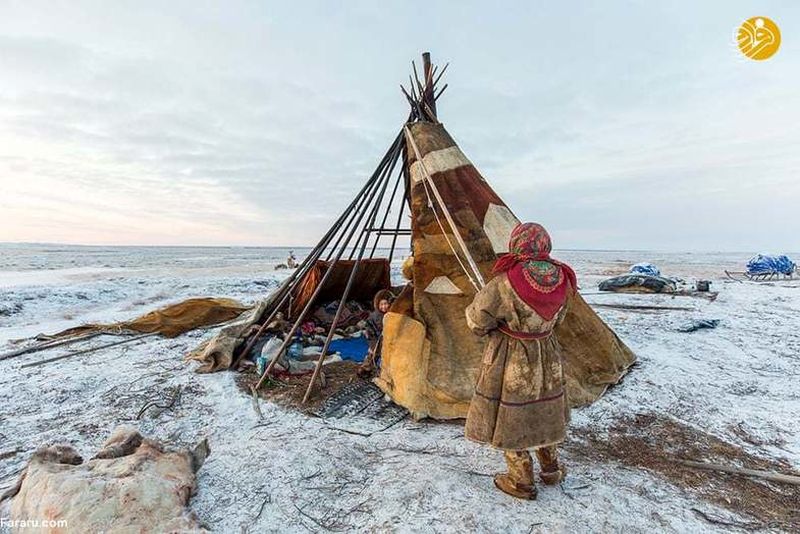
313	297
420	114
439	77
406	197
375	176
311	259
415	113
371	221
401	147
329	337
304	311
347	288
388	209
420	88
427	72
284	292
321	283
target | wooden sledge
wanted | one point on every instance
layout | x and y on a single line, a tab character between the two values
744	276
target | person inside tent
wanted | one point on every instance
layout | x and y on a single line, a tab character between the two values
520	399
374	330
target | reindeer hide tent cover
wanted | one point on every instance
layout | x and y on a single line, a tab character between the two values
459	227
430	358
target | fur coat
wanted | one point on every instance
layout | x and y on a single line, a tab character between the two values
520	400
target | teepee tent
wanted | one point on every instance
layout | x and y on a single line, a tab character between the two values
458	228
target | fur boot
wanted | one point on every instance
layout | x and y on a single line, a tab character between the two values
552	472
518	482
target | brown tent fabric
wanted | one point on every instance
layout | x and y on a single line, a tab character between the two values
435	376
172	320
594	356
372	276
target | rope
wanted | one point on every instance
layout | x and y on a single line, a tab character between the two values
478	280
450	244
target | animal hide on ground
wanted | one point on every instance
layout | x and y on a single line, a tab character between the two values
132	485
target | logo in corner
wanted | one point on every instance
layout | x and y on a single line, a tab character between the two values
758	38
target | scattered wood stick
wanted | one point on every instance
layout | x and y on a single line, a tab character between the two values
256	406
766	475
634	307
714	521
47	345
322	523
267	500
176	394
86	351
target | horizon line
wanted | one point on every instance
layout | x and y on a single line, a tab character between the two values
565	249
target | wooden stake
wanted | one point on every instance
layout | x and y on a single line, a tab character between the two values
766	475
86	351
634	307
256	406
47	345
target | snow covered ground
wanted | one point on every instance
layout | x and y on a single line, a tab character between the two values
291	473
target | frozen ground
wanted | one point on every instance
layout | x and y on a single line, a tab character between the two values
291	473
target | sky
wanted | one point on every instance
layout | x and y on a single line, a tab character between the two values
616	124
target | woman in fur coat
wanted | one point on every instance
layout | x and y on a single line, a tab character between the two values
520	402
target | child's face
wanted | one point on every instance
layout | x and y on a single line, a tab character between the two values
384	305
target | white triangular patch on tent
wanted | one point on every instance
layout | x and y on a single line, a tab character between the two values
437	161
498	224
442	285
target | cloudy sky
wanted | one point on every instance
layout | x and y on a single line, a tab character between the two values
631	125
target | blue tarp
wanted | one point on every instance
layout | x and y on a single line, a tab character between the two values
763	264
645	268
350	348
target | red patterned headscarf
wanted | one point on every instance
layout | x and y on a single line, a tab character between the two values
539	280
